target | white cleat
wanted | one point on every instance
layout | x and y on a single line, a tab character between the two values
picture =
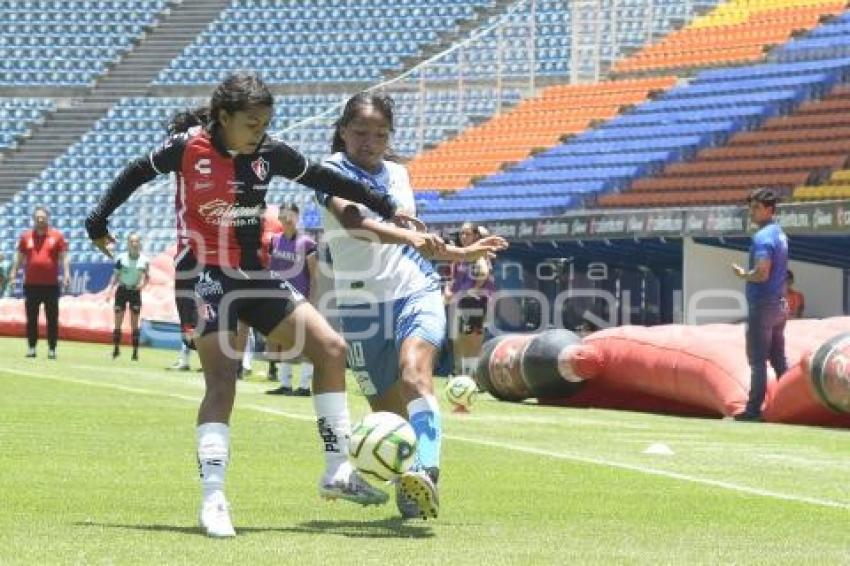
215	518
352	487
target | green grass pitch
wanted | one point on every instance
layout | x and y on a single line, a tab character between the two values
97	466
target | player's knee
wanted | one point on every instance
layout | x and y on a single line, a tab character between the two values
336	348
415	374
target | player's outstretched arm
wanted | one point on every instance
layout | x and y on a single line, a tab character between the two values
336	184
133	176
372	230
165	159
486	247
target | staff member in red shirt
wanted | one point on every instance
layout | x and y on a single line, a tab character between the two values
40	251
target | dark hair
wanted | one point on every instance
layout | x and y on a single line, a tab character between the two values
477	229
291	206
185	120
383	103
765	196
789	276
238	91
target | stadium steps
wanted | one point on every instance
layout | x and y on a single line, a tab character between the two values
133	75
450	38
61	129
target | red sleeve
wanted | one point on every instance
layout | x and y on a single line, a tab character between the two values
61	244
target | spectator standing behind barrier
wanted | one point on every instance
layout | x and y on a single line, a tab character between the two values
468	294
795	300
766	314
40	252
132	275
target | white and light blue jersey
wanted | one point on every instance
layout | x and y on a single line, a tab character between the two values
370	272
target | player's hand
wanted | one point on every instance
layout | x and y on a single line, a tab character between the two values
738	270
404	220
427	244
66	283
105	244
486	247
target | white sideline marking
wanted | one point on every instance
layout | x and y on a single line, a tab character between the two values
656	472
488	443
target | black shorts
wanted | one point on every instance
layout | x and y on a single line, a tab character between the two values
471	314
185	273
226	297
125	296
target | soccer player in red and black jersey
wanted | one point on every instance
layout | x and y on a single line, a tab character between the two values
41	251
223	171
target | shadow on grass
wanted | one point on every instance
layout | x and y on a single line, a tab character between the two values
385	528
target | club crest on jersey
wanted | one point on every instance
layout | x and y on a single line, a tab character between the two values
261	168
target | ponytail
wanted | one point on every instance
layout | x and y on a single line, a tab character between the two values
185	120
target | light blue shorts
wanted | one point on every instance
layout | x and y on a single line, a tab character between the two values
375	332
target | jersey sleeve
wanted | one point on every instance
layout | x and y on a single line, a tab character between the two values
762	247
291	164
61	243
310	246
165	159
407	202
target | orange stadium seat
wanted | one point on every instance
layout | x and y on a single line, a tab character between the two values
743	41
539	122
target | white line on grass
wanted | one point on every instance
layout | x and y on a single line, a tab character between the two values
654	472
482	442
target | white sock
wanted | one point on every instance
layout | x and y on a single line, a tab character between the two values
334	429
306	375
184	355
285	374
248	354
468	365
213	450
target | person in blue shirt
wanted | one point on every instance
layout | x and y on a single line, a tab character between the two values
765	288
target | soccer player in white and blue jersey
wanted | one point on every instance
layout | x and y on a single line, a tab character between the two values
388	293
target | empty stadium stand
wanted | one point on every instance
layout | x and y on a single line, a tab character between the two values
535	123
328	40
641	149
737	31
18	115
54	42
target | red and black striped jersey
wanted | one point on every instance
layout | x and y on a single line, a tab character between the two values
221	197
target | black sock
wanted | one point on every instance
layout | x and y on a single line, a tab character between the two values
136	335
116	338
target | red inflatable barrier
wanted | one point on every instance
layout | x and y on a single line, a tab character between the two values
816	391
90	317
690	370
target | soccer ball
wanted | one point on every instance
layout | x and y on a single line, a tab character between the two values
383	445
461	390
